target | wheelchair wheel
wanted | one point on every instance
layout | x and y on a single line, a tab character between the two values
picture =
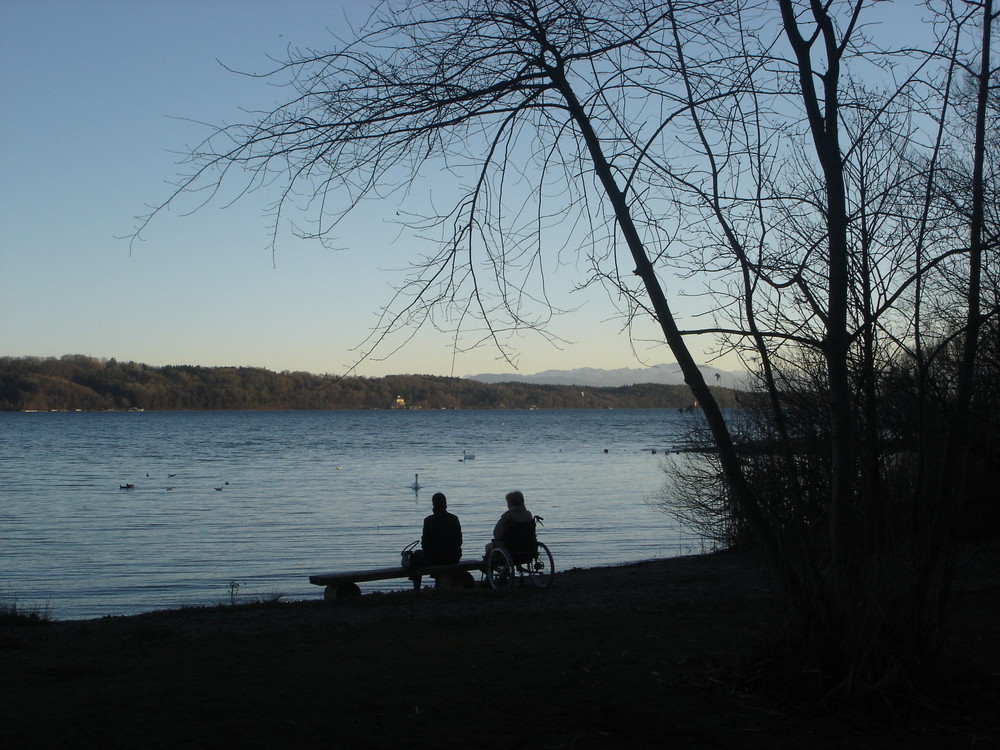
541	570
500	569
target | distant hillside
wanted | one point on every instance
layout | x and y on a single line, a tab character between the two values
77	382
669	374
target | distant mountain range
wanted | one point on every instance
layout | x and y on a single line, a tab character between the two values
669	374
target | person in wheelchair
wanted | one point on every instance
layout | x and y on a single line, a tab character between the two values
441	540
516	530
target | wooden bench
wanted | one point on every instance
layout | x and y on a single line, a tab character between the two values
346	584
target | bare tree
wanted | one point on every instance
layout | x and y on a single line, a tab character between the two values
769	149
513	97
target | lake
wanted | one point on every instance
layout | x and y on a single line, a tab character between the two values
252	503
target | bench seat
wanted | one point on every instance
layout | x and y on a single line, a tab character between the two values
340	583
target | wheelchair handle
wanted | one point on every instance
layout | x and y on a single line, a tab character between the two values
538	520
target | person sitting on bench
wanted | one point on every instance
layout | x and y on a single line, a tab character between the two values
516	530
441	540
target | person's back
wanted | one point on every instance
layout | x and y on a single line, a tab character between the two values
441	540
516	528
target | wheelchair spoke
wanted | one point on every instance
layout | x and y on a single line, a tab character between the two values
500	569
542	569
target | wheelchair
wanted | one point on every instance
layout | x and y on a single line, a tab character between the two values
522	556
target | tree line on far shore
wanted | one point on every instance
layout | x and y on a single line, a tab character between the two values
77	382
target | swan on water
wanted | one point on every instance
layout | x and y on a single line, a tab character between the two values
416	482
466	456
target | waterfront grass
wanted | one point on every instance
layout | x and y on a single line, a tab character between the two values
13	612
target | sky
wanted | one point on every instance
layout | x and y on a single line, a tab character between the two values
98	101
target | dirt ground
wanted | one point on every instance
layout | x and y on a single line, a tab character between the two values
636	656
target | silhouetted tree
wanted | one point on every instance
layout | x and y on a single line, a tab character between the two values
760	146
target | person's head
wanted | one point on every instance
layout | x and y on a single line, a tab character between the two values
515	498
439	501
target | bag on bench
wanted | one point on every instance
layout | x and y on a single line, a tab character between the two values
407	556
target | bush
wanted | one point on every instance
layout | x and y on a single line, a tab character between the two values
13	613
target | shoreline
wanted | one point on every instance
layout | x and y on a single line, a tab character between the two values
571	589
626	656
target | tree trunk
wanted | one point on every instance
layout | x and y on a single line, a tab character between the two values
728	457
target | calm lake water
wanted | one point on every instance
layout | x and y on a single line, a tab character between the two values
304	493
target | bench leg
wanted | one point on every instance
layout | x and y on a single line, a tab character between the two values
457	579
343	591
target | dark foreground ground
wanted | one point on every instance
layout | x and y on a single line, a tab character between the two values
649	655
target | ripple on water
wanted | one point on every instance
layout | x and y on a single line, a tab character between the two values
308	492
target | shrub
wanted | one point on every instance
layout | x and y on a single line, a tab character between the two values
13	613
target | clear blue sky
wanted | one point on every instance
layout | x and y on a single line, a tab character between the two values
96	103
